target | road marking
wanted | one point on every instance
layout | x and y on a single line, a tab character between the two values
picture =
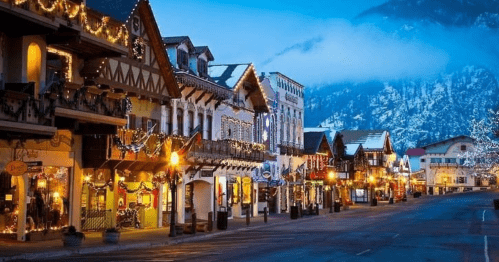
486	250
395	236
365	251
483	216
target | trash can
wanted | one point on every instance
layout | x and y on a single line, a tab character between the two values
374	202
222	218
337	206
294	212
496	204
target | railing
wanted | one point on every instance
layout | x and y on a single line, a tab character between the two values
22	108
223	149
86	99
75	13
95	219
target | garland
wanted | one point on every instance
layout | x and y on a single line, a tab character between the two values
108	184
142	186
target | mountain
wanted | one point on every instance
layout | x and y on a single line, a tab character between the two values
419	111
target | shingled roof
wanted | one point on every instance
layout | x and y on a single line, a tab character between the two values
204	49
312	142
177	40
117	9
371	140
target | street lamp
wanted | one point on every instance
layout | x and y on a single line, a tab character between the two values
371	181
174	160
331	178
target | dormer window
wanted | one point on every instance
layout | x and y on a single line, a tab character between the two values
183	59
202	68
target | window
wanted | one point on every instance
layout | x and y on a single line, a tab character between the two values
180	121
202	68
463	147
450	160
182	59
461	161
423	160
201	123
149	124
209	123
461	180
34	65
131	121
436	160
168	120
190	119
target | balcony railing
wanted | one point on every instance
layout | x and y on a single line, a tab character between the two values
289	148
22	108
223	149
75	13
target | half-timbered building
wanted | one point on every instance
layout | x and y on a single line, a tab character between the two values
234	125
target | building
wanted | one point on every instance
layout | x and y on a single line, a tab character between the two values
234	120
286	118
194	111
378	148
444	168
68	85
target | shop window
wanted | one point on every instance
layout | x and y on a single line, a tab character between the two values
189	189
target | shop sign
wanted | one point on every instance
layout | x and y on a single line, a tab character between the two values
16	168
34	163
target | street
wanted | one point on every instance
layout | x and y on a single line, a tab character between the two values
455	227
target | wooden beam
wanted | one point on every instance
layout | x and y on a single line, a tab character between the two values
190	94
200	97
209	100
216	167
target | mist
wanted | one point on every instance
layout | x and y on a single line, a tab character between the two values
339	51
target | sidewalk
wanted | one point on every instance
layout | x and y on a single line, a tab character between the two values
144	238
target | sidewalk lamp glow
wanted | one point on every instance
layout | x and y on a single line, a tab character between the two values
331	176
371	179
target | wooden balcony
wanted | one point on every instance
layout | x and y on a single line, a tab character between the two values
290	149
63	22
22	113
212	152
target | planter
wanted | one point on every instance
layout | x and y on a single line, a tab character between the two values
72	240
111	237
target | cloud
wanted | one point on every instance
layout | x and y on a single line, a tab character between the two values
303	47
346	52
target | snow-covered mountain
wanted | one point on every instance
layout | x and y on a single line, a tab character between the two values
418	111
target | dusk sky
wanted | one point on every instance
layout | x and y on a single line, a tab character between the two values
313	42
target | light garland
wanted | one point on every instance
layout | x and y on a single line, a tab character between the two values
81	9
69	57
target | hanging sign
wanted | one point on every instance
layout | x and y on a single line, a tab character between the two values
16	168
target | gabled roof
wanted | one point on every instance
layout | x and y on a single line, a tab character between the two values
204	49
371	140
177	40
118	9
312	142
441	147
232	77
352	149
330	133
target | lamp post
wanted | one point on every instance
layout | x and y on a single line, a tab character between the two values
331	177
174	160
371	182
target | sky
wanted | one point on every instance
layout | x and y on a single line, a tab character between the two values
313	42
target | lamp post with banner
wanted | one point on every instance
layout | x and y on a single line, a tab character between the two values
174	160
331	177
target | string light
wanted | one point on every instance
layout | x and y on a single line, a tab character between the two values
69	57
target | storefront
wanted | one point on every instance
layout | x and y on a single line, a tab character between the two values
36	202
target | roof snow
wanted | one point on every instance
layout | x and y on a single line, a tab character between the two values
227	75
351	149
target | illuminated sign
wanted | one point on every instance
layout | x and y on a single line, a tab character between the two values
16	168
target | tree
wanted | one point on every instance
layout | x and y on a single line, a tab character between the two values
483	157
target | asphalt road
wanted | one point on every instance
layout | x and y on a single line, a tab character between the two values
455	227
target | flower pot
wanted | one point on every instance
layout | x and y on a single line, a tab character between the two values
72	240
111	237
